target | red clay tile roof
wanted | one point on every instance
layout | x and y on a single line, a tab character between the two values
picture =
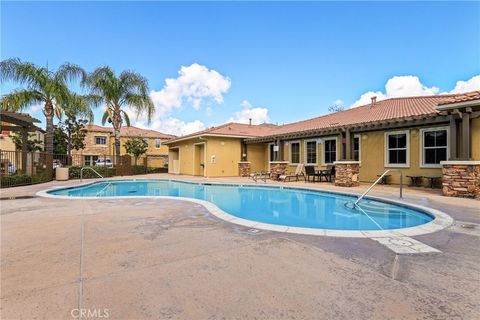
462	97
389	109
131	132
234	129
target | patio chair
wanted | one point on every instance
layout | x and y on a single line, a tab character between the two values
329	174
298	173
310	172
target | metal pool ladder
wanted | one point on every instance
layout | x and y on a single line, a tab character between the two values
83	168
378	180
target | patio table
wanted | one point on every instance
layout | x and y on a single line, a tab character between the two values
384	178
415	180
432	181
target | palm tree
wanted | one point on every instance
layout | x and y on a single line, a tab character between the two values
130	89
40	86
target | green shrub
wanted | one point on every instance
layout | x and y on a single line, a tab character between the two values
157	170
15	180
74	172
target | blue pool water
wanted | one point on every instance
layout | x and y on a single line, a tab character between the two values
287	206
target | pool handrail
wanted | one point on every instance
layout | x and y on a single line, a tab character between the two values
83	168
378	180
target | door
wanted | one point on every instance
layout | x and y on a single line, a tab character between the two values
199	160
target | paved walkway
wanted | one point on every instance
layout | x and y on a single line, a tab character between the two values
167	259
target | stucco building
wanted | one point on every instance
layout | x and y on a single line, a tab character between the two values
99	144
427	136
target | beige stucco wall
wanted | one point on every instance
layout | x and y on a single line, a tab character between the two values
476	139
372	154
256	156
107	150
227	152
6	143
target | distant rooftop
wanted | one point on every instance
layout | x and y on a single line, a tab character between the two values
131	132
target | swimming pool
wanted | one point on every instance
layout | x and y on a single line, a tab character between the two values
291	207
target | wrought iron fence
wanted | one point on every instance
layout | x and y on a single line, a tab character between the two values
19	168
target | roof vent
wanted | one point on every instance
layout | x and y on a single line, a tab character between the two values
250	121
374	100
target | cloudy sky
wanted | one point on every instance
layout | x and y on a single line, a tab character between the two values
208	63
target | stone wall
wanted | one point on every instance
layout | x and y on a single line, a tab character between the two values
278	168
346	173
244	169
461	179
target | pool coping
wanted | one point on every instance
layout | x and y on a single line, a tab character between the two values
441	220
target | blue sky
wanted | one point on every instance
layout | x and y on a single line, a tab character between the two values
275	61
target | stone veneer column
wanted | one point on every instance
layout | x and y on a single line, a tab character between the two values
461	179
244	168
278	167
346	173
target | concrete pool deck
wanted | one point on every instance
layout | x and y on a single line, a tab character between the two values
169	259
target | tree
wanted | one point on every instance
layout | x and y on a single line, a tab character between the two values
59	140
136	147
336	108
75	133
33	144
130	89
41	86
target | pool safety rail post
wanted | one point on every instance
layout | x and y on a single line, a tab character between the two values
83	168
378	180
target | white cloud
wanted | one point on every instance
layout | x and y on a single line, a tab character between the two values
194	84
471	84
338	102
35	108
173	126
407	86
366	98
258	115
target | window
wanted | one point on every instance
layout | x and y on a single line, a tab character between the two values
356	148
100	140
145	141
330	150
435	146
295	152
158	143
397	153
311	152
90	160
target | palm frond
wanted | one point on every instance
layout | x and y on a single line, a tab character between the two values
142	104
126	118
107	115
70	72
24	73
19	100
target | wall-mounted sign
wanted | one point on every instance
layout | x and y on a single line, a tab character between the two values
276	148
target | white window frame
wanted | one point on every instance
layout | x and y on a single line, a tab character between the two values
101	144
305	159
387	164
323	149
359	136
159	143
422	149
290	152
